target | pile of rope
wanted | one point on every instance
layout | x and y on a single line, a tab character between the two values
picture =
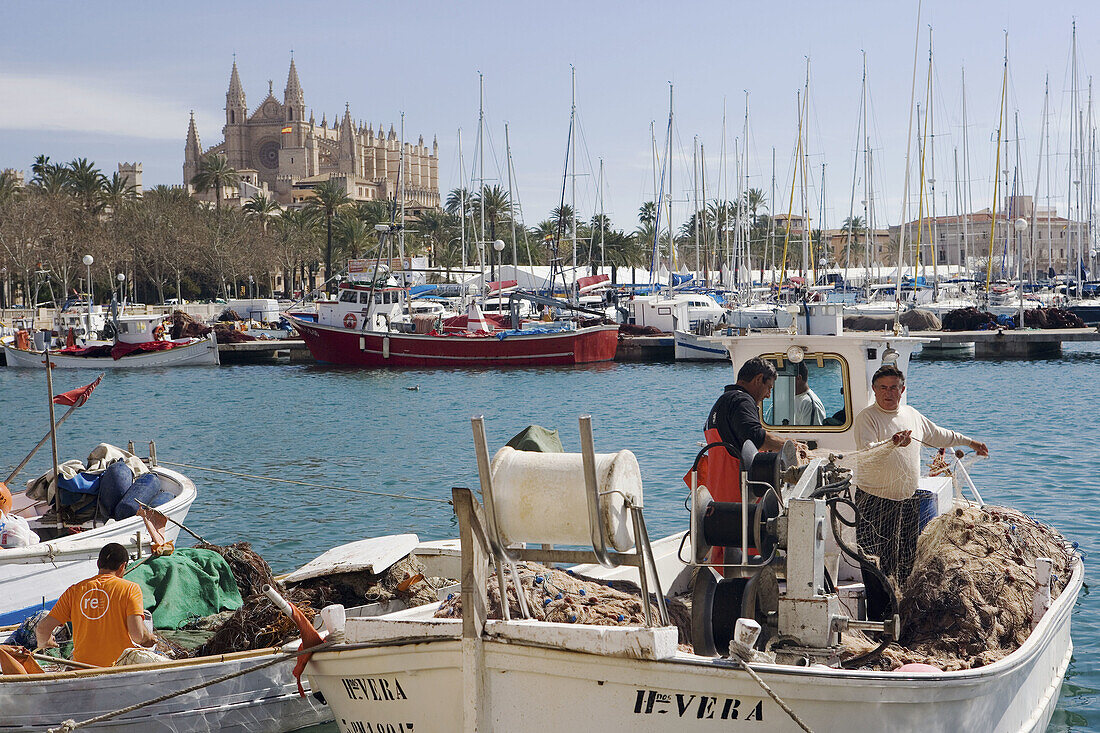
969	319
563	596
258	624
1052	318
630	329
968	601
185	326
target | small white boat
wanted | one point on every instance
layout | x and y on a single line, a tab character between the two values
32	578
411	671
266	699
140	342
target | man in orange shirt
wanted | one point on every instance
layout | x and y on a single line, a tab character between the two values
106	611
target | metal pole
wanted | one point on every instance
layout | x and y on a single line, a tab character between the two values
53	434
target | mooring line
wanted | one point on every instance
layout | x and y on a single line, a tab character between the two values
305	483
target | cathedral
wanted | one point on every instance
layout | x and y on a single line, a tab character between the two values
278	152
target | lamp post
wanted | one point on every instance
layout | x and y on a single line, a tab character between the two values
1020	225
498	246
88	260
121	277
481	263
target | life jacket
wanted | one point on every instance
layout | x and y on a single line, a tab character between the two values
720	472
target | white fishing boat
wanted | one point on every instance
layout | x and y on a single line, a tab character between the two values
140	341
264	699
33	577
413	671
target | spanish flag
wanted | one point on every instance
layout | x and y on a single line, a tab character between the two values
287	129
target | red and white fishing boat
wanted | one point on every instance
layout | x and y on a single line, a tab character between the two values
368	325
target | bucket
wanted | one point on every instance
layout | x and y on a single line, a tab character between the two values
929	507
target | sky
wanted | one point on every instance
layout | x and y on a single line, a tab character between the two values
116	82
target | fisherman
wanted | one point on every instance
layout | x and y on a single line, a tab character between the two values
808	407
14	530
889	513
106	611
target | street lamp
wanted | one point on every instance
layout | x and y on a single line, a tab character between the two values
88	260
1020	225
498	245
121	277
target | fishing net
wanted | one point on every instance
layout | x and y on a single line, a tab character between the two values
258	624
185	326
564	596
968	600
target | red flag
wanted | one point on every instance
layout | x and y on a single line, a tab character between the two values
77	396
310	638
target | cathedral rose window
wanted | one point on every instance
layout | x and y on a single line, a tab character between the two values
269	154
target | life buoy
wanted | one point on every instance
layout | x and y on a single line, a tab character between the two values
158	332
350	320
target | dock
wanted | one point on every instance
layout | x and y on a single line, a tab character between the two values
1005	343
646	348
264	350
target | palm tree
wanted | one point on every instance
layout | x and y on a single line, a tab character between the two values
352	234
116	192
455	199
436	227
86	182
263	208
755	200
647	213
216	173
854	224
497	207
328	198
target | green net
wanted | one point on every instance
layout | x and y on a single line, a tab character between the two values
185	585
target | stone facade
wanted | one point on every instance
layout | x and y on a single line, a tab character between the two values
281	152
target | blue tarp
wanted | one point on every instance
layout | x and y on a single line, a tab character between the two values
505	334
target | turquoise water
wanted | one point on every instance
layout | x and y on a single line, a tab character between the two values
368	430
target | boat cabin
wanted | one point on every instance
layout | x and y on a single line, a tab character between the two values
363	306
137	329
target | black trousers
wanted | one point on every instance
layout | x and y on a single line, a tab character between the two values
887	530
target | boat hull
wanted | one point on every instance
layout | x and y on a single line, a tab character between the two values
423	687
264	700
199	353
692	347
33	578
350	347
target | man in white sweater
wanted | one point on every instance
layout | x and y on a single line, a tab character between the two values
889	513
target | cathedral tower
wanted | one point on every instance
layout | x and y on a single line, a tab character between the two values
192	152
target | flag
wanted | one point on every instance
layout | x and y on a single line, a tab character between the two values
288	129
79	396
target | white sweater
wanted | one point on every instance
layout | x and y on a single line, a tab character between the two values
885	478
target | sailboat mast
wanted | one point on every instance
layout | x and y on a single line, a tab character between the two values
696	219
771	222
933	239
668	164
462	205
481	180
1072	144
511	201
966	176
573	169
401	231
1038	178
996	173
855	170
905	193
806	264
706	235
603	218
746	239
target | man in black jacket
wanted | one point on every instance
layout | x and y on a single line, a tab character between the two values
736	414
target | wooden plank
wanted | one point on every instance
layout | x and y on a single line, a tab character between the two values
372	555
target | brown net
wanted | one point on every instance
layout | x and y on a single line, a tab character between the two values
564	596
258	624
968	600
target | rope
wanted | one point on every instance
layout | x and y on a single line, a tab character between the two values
778	701
71	725
306	483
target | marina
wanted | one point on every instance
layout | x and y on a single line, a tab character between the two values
730	368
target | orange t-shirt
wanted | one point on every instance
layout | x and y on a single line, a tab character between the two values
98	608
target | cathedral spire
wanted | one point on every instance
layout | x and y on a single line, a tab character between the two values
192	151
293	100
235	107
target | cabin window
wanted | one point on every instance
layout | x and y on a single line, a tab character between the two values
364	298
348	296
811	392
664	311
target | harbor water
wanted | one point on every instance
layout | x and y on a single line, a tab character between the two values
406	434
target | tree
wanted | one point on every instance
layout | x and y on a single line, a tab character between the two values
86	183
116	192
328	198
647	213
754	201
262	208
455	199
216	173
296	234
497	206
351	233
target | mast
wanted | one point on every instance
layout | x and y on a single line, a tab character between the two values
771	222
1072	140
806	253
905	193
573	178
933	237
511	199
723	196
481	180
603	220
855	169
966	189
668	165
1038	177
746	239
462	206
794	179
401	230
996	173
868	191
703	187
695	195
